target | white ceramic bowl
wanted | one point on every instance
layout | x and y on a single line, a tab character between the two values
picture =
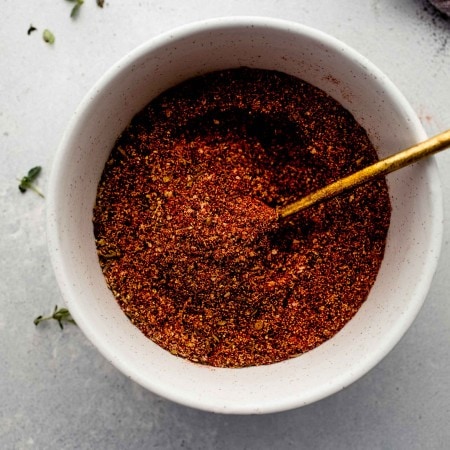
414	237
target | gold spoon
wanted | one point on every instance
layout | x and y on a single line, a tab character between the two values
384	166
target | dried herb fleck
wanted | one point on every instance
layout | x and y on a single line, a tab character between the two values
100	3
31	29
27	182
60	315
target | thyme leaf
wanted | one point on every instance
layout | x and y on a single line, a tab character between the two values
48	36
76	8
27	182
60	315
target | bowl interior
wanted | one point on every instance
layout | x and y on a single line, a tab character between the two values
413	240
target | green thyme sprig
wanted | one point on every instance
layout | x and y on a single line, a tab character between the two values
27	182
60	315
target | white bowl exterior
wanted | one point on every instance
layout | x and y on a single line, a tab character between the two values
413	243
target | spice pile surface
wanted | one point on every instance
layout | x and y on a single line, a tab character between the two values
186	229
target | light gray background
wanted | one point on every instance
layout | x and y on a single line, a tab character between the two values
56	390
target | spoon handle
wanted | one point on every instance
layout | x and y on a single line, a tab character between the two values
384	166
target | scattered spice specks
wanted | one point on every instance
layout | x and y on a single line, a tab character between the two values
438	23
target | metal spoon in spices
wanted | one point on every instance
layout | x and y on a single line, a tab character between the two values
383	167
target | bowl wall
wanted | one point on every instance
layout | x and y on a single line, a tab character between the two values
413	242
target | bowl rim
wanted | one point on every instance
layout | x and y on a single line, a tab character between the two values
216	24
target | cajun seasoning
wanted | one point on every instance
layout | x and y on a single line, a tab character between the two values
187	231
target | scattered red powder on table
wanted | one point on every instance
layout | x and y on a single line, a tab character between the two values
186	229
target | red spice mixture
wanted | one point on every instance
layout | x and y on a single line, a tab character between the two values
186	230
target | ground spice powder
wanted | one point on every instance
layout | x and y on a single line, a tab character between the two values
186	230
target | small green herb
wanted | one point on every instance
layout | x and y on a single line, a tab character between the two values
48	36
31	29
76	8
61	315
27	181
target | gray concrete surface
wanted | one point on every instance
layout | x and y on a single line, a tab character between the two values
56	390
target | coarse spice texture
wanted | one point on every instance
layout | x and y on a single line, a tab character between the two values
186	226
